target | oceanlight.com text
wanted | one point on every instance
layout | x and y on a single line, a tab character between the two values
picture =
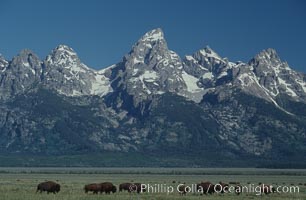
217	188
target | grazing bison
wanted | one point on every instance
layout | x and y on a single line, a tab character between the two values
130	187
48	186
205	188
124	187
107	187
136	187
183	189
221	187
94	187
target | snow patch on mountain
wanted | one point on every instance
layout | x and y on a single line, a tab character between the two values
153	35
3	63
100	84
287	86
149	76
208	75
191	82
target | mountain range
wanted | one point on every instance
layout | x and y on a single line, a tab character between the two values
153	108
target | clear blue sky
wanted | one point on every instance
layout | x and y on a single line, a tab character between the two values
102	31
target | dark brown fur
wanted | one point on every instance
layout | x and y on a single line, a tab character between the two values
222	187
48	186
130	187
124	187
94	187
206	187
137	187
108	187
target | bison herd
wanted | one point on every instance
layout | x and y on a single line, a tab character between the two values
108	188
95	188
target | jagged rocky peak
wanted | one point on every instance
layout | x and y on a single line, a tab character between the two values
151	40
20	74
3	62
64	60
268	63
151	47
65	50
153	35
26	61
65	73
26	57
205	55
62	55
150	68
151	52
209	52
267	54
276	77
207	65
206	58
270	60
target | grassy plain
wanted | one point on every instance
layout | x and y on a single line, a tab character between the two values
20	183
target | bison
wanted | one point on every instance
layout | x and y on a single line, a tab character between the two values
205	188
93	187
124	187
130	187
48	186
221	187
107	187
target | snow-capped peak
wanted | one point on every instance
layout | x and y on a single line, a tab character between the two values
66	57
208	52
66	49
267	56
62	52
153	35
151	46
269	60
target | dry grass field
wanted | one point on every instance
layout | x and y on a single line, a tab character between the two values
20	183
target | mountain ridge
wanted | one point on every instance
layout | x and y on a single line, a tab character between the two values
153	101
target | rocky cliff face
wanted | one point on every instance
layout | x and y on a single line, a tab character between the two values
65	73
20	74
153	101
